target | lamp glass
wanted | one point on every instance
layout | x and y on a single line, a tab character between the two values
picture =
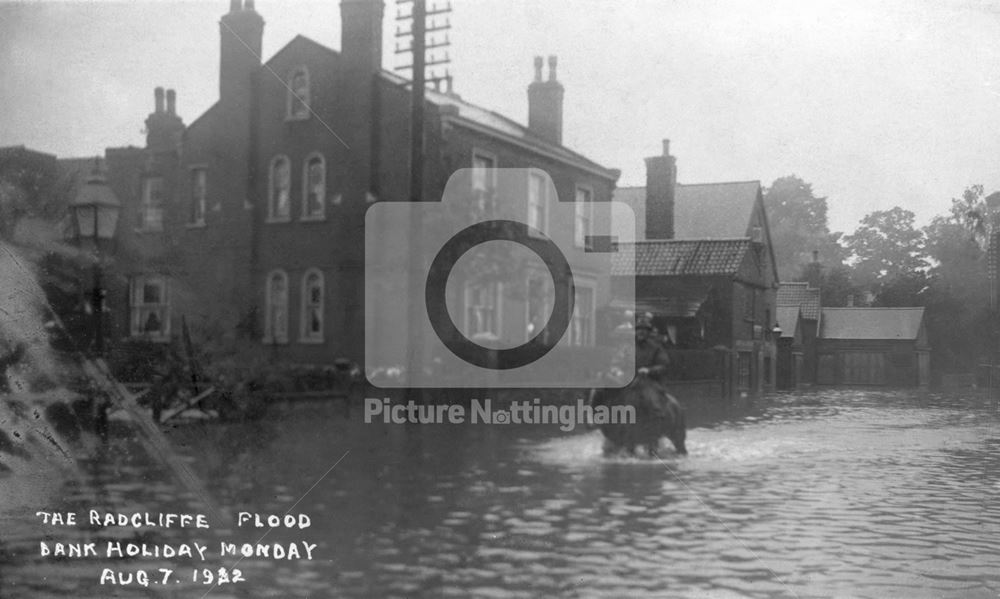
85	220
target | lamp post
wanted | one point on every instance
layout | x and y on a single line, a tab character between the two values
95	211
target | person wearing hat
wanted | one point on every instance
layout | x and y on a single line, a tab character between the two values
651	357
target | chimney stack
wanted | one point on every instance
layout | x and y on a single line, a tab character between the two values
661	185
545	104
241	37
361	35
163	126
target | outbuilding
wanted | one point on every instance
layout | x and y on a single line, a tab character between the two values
873	346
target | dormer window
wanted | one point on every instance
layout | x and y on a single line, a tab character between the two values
298	94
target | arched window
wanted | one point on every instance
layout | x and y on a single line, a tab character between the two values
278	202
276	316
314	187
313	295
298	94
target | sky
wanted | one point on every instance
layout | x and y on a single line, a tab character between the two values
876	104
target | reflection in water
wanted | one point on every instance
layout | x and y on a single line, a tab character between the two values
841	493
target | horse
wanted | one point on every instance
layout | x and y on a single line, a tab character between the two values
657	414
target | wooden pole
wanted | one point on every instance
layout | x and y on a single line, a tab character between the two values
416	276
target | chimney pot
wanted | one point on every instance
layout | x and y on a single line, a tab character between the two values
171	101
666	147
158	97
552	68
248	5
538	68
234	5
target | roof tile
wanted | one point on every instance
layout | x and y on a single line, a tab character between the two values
800	294
678	257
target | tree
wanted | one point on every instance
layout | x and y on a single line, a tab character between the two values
31	187
837	289
798	222
887	253
957	300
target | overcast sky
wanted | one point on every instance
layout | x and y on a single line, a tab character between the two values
876	104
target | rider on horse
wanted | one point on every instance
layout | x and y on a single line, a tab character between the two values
651	357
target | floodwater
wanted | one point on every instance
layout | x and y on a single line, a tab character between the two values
827	493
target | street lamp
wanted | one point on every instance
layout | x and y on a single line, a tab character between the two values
776	331
95	212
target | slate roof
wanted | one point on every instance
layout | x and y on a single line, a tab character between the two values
872	323
714	210
701	211
788	320
679	257
802	295
467	113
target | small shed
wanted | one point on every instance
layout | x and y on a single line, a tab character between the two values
790	347
873	346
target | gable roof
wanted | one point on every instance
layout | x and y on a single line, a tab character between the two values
788	320
701	210
679	257
714	210
471	115
872	323
802	295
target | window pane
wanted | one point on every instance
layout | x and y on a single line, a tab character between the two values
197	195
151	293
299	94
315	187
280	180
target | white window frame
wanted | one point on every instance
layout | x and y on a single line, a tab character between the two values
203	200
591	318
151	215
305	335
485	196
292	96
271	335
545	200
140	310
496	289
321	214
583	211
546	278
272	204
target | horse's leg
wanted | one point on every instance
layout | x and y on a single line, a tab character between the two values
610	448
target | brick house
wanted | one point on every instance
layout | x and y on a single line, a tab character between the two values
251	218
705	269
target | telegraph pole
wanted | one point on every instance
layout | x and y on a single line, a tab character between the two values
418	48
